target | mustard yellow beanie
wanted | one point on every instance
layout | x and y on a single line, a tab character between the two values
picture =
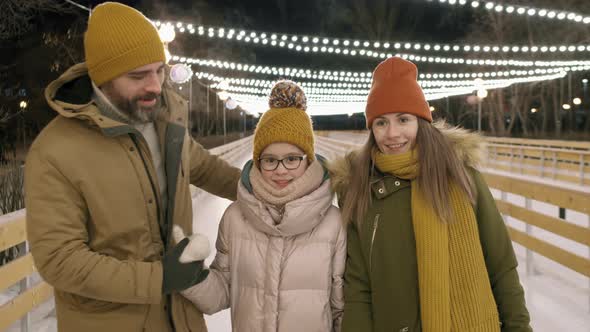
118	40
286	121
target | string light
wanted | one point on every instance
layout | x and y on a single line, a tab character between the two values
363	77
346	76
326	93
309	44
318	104
523	10
324	90
429	87
227	81
331	88
334	85
505	73
489	62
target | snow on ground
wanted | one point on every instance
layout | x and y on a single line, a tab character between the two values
207	212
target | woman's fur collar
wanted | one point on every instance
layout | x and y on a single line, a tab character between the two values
469	146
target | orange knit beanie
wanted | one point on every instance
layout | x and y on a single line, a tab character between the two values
395	89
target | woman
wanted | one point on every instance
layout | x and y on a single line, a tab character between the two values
427	247
281	247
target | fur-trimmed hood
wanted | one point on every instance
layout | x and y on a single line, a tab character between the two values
470	148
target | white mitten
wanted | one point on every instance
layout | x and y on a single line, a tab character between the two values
197	249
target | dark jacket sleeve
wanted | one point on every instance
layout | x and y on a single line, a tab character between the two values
358	314
213	174
500	261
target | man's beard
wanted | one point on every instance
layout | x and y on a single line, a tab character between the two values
141	114
135	112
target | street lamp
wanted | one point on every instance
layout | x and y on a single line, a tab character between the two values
585	88
577	101
230	104
181	73
481	94
23	105
223	85
566	106
223	96
244	130
167	35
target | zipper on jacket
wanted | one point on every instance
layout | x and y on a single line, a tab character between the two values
375	225
134	139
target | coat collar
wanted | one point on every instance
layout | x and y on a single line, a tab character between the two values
299	216
470	148
386	185
70	95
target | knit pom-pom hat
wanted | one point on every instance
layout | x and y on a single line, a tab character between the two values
286	121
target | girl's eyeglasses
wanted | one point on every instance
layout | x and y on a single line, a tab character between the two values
290	162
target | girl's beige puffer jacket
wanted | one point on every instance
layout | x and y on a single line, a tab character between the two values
285	277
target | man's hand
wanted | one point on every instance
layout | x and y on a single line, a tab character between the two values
180	276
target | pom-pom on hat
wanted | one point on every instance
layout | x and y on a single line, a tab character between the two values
286	121
395	89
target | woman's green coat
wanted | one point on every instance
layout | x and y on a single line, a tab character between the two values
381	279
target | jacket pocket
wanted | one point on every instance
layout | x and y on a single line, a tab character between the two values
374	232
88	305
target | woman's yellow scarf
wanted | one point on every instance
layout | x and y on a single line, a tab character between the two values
454	287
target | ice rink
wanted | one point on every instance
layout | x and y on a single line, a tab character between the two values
558	299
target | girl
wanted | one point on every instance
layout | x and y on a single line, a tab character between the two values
281	247
427	247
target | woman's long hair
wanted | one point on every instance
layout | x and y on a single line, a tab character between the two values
357	197
439	166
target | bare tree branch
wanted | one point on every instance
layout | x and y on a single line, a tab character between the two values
498	29
18	15
6	114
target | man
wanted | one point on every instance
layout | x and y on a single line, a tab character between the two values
108	178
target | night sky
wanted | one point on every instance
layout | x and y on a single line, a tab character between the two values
417	21
34	59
